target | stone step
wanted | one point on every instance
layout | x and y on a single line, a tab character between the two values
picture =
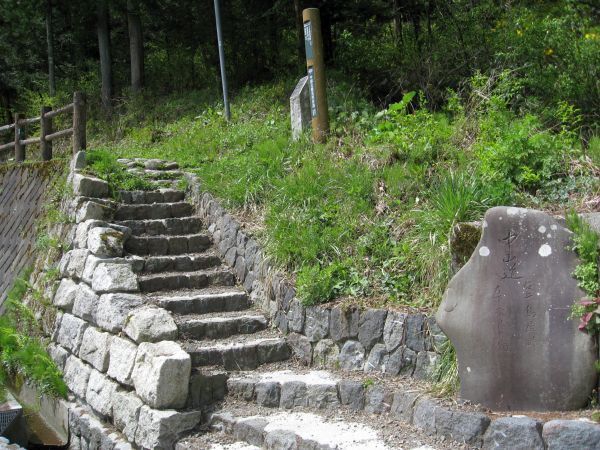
286	389
155	227
178	263
153	211
405	403
238	354
301	430
160	196
186	280
219	327
204	302
167	245
207	387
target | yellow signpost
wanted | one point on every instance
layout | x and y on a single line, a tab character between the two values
315	65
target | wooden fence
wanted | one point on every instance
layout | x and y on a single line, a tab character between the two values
47	134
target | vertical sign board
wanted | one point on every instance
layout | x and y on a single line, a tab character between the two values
313	92
308	42
315	65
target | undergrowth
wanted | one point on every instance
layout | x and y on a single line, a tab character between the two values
369	213
22	350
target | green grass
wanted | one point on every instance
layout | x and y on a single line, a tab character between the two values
369	213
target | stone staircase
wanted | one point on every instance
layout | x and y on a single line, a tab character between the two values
234	350
249	385
178	269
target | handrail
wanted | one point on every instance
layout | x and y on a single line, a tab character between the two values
47	135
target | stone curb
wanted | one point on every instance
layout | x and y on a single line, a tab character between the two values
416	408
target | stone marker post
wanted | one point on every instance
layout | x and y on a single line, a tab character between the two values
315	65
300	108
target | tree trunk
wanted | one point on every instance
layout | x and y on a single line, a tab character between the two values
136	45
300	31
49	41
104	50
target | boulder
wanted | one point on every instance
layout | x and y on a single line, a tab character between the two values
126	408
113	309
159	430
325	354
110	277
150	324
99	393
571	435
370	329
87	186
516	433
95	348
104	241
352	356
161	374
122	360
70	333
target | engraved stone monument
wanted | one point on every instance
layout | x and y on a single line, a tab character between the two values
300	108
507	314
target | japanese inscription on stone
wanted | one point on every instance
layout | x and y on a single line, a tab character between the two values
506	311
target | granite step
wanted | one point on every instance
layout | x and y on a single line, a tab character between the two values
153	211
155	227
203	301
239	352
160	196
208	385
218	327
186	280
179	263
301	430
167	245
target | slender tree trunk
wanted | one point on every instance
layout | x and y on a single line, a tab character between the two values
397	18
136	45
49	41
300	31
104	50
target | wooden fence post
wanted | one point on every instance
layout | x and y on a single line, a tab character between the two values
19	136
79	122
45	129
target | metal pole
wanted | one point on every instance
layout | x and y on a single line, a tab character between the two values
222	59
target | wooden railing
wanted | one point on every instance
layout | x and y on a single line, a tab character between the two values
47	134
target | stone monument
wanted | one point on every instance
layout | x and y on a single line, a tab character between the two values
507	314
300	108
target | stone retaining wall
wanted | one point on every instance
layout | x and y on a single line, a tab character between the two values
23	191
371	340
128	380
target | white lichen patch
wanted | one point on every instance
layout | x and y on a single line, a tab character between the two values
554	227
545	250
512	211
549	235
542	229
484	251
485	224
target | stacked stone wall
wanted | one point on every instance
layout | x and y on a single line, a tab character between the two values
128	380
